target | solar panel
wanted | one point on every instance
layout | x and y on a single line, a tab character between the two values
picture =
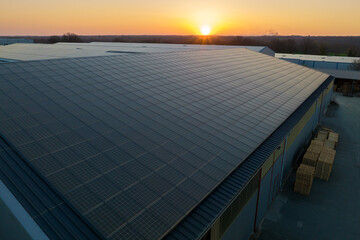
134	142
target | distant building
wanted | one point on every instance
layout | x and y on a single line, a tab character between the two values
24	52
171	145
7	41
346	79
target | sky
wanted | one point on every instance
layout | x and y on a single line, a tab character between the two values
185	17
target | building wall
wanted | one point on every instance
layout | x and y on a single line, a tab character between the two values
268	51
243	225
15	222
244	215
7	41
320	64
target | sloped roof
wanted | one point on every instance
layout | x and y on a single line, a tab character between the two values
134	142
26	52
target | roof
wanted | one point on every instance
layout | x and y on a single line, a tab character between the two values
200	220
133	143
56	218
317	57
345	74
166	47
339	67
26	52
6	41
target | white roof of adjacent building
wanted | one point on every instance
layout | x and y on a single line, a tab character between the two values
306	57
25	52
345	74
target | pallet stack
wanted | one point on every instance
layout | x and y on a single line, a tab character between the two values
317	161
334	137
325	163
322	135
316	146
304	179
326	157
329	144
310	158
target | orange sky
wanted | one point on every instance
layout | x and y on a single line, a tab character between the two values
226	17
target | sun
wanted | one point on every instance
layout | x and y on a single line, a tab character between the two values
205	30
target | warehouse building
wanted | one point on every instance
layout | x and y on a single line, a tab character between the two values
180	145
8	41
25	52
347	79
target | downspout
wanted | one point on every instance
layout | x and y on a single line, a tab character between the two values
257	200
282	164
271	177
314	123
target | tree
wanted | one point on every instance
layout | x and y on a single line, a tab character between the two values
277	45
308	45
355	65
353	52
54	39
323	49
290	45
71	37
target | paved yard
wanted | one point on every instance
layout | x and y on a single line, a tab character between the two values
332	211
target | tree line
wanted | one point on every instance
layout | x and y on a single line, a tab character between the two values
67	37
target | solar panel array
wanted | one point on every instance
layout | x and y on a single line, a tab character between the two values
25	52
134	142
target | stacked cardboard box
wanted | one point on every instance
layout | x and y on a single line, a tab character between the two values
304	179
335	88
316	146
322	136
328	130
310	158
325	163
317	161
333	137
356	88
329	144
346	88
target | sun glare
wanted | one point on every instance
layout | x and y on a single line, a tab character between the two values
205	30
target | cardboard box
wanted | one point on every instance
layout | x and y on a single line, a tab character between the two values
329	144
304	179
322	135
328	130
334	137
315	148
317	143
325	163
310	158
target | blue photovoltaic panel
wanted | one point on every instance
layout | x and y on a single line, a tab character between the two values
134	142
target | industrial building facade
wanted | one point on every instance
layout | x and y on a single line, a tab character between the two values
248	206
347	78
180	145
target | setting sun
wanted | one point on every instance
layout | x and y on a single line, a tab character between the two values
205	30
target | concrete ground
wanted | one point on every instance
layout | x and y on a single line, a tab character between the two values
332	210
